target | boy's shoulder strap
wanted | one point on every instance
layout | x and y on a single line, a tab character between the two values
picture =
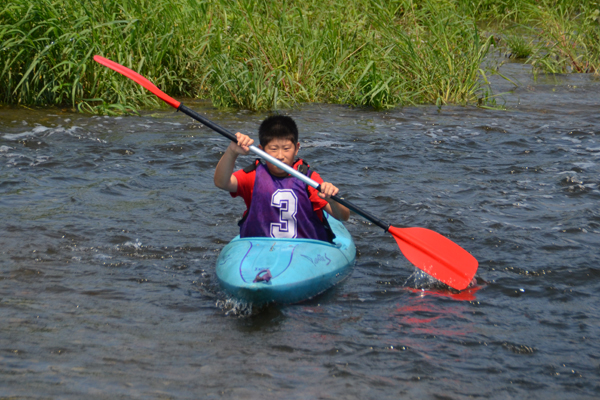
303	167
252	167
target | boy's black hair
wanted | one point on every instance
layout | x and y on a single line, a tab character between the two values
277	127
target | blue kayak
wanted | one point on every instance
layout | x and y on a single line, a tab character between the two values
263	270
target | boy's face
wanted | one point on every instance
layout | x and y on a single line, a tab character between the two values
284	150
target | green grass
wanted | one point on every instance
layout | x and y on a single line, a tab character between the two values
571	39
555	36
519	46
267	54
48	45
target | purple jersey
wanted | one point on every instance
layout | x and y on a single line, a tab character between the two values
281	208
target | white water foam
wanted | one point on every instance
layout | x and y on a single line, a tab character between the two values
137	245
16	136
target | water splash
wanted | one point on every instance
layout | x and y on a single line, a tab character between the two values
421	280
422	283
236	308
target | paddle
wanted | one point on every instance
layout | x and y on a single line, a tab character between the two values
429	251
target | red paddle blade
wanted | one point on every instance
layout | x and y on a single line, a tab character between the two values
139	79
436	255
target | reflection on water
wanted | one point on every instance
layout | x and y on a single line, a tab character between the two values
111	229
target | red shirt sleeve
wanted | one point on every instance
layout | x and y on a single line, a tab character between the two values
317	202
245	186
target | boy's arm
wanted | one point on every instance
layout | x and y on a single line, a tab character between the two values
335	209
224	178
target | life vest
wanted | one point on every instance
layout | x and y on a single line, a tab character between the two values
281	207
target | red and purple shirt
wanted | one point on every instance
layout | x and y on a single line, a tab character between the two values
280	207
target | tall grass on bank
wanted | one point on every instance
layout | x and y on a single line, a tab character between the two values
571	39
249	53
266	54
48	45
555	36
378	54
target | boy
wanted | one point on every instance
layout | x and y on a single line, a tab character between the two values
278	205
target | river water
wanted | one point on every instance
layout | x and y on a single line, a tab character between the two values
111	227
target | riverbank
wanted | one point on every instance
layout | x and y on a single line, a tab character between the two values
268	55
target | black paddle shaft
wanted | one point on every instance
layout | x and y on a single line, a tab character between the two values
215	127
361	212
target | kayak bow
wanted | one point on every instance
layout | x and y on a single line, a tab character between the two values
265	270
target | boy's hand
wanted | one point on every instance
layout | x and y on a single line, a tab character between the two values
327	190
333	208
243	144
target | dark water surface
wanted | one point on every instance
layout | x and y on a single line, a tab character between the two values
111	228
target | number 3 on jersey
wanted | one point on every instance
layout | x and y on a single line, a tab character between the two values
287	202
